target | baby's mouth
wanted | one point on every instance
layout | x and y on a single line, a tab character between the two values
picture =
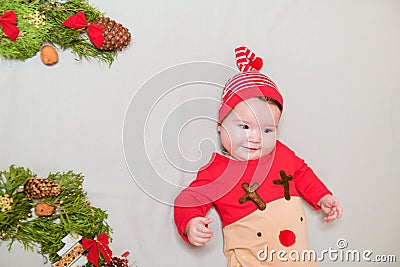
251	148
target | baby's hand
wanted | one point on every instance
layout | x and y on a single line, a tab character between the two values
330	205
197	231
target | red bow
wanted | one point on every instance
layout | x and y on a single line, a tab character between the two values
7	23
95	32
98	244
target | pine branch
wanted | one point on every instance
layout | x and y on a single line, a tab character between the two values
33	37
74	213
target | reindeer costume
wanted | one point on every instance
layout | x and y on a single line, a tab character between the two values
258	201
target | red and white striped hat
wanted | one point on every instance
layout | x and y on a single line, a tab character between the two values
247	84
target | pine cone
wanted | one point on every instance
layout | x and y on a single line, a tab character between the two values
116	36
41	188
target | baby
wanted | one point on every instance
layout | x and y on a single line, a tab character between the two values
257	184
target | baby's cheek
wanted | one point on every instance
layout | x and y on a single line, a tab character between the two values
226	140
268	144
231	137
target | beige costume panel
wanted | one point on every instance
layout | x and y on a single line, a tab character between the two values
255	239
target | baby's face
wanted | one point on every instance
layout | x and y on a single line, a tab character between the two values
249	131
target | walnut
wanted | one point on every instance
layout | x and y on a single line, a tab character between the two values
48	55
44	209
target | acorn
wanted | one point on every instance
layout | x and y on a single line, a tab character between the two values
48	55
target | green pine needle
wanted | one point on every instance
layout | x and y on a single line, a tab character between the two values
74	213
54	13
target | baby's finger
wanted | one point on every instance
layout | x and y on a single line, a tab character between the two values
331	204
331	217
197	244
204	230
205	220
197	241
203	235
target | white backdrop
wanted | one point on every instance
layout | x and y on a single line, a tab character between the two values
337	64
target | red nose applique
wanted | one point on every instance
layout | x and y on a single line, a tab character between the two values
287	238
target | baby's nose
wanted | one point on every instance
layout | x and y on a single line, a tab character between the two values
255	136
287	238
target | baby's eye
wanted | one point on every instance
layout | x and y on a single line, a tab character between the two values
268	130
244	126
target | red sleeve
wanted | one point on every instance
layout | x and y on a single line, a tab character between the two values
194	201
307	183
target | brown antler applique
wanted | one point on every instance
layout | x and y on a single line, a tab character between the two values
252	195
285	182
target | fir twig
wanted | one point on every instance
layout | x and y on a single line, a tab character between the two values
53	32
74	213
